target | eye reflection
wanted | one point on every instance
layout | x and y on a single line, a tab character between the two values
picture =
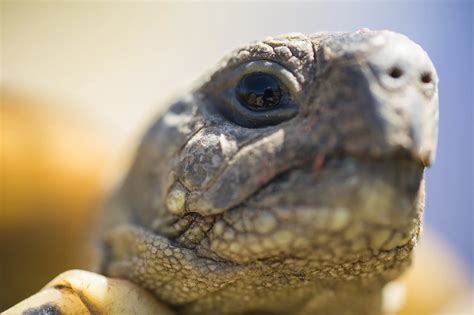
259	91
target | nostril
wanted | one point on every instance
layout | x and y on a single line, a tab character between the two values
395	72
426	77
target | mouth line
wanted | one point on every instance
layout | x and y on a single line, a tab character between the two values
190	229
322	161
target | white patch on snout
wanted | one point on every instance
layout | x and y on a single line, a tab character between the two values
229	147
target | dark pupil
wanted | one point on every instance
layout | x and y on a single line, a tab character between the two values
259	90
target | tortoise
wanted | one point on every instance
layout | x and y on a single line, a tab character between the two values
290	180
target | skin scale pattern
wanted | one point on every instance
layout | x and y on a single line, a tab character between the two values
311	210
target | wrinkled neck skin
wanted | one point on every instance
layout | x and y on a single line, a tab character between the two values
310	208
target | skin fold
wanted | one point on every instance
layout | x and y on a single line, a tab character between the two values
307	207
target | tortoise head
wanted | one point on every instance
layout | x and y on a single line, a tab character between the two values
299	151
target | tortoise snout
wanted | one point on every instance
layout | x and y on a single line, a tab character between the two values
399	62
387	88
405	95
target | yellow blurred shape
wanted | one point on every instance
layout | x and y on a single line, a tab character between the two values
51	181
438	282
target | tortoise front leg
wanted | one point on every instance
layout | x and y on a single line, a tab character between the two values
84	292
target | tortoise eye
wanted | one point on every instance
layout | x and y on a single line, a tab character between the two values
259	91
258	94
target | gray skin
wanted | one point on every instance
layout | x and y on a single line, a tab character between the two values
310	207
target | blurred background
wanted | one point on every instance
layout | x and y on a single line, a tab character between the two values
81	80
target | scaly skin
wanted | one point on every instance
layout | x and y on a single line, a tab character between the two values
307	208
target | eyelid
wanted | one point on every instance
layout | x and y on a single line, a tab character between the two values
281	73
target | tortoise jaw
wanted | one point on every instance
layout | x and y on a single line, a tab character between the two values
367	202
